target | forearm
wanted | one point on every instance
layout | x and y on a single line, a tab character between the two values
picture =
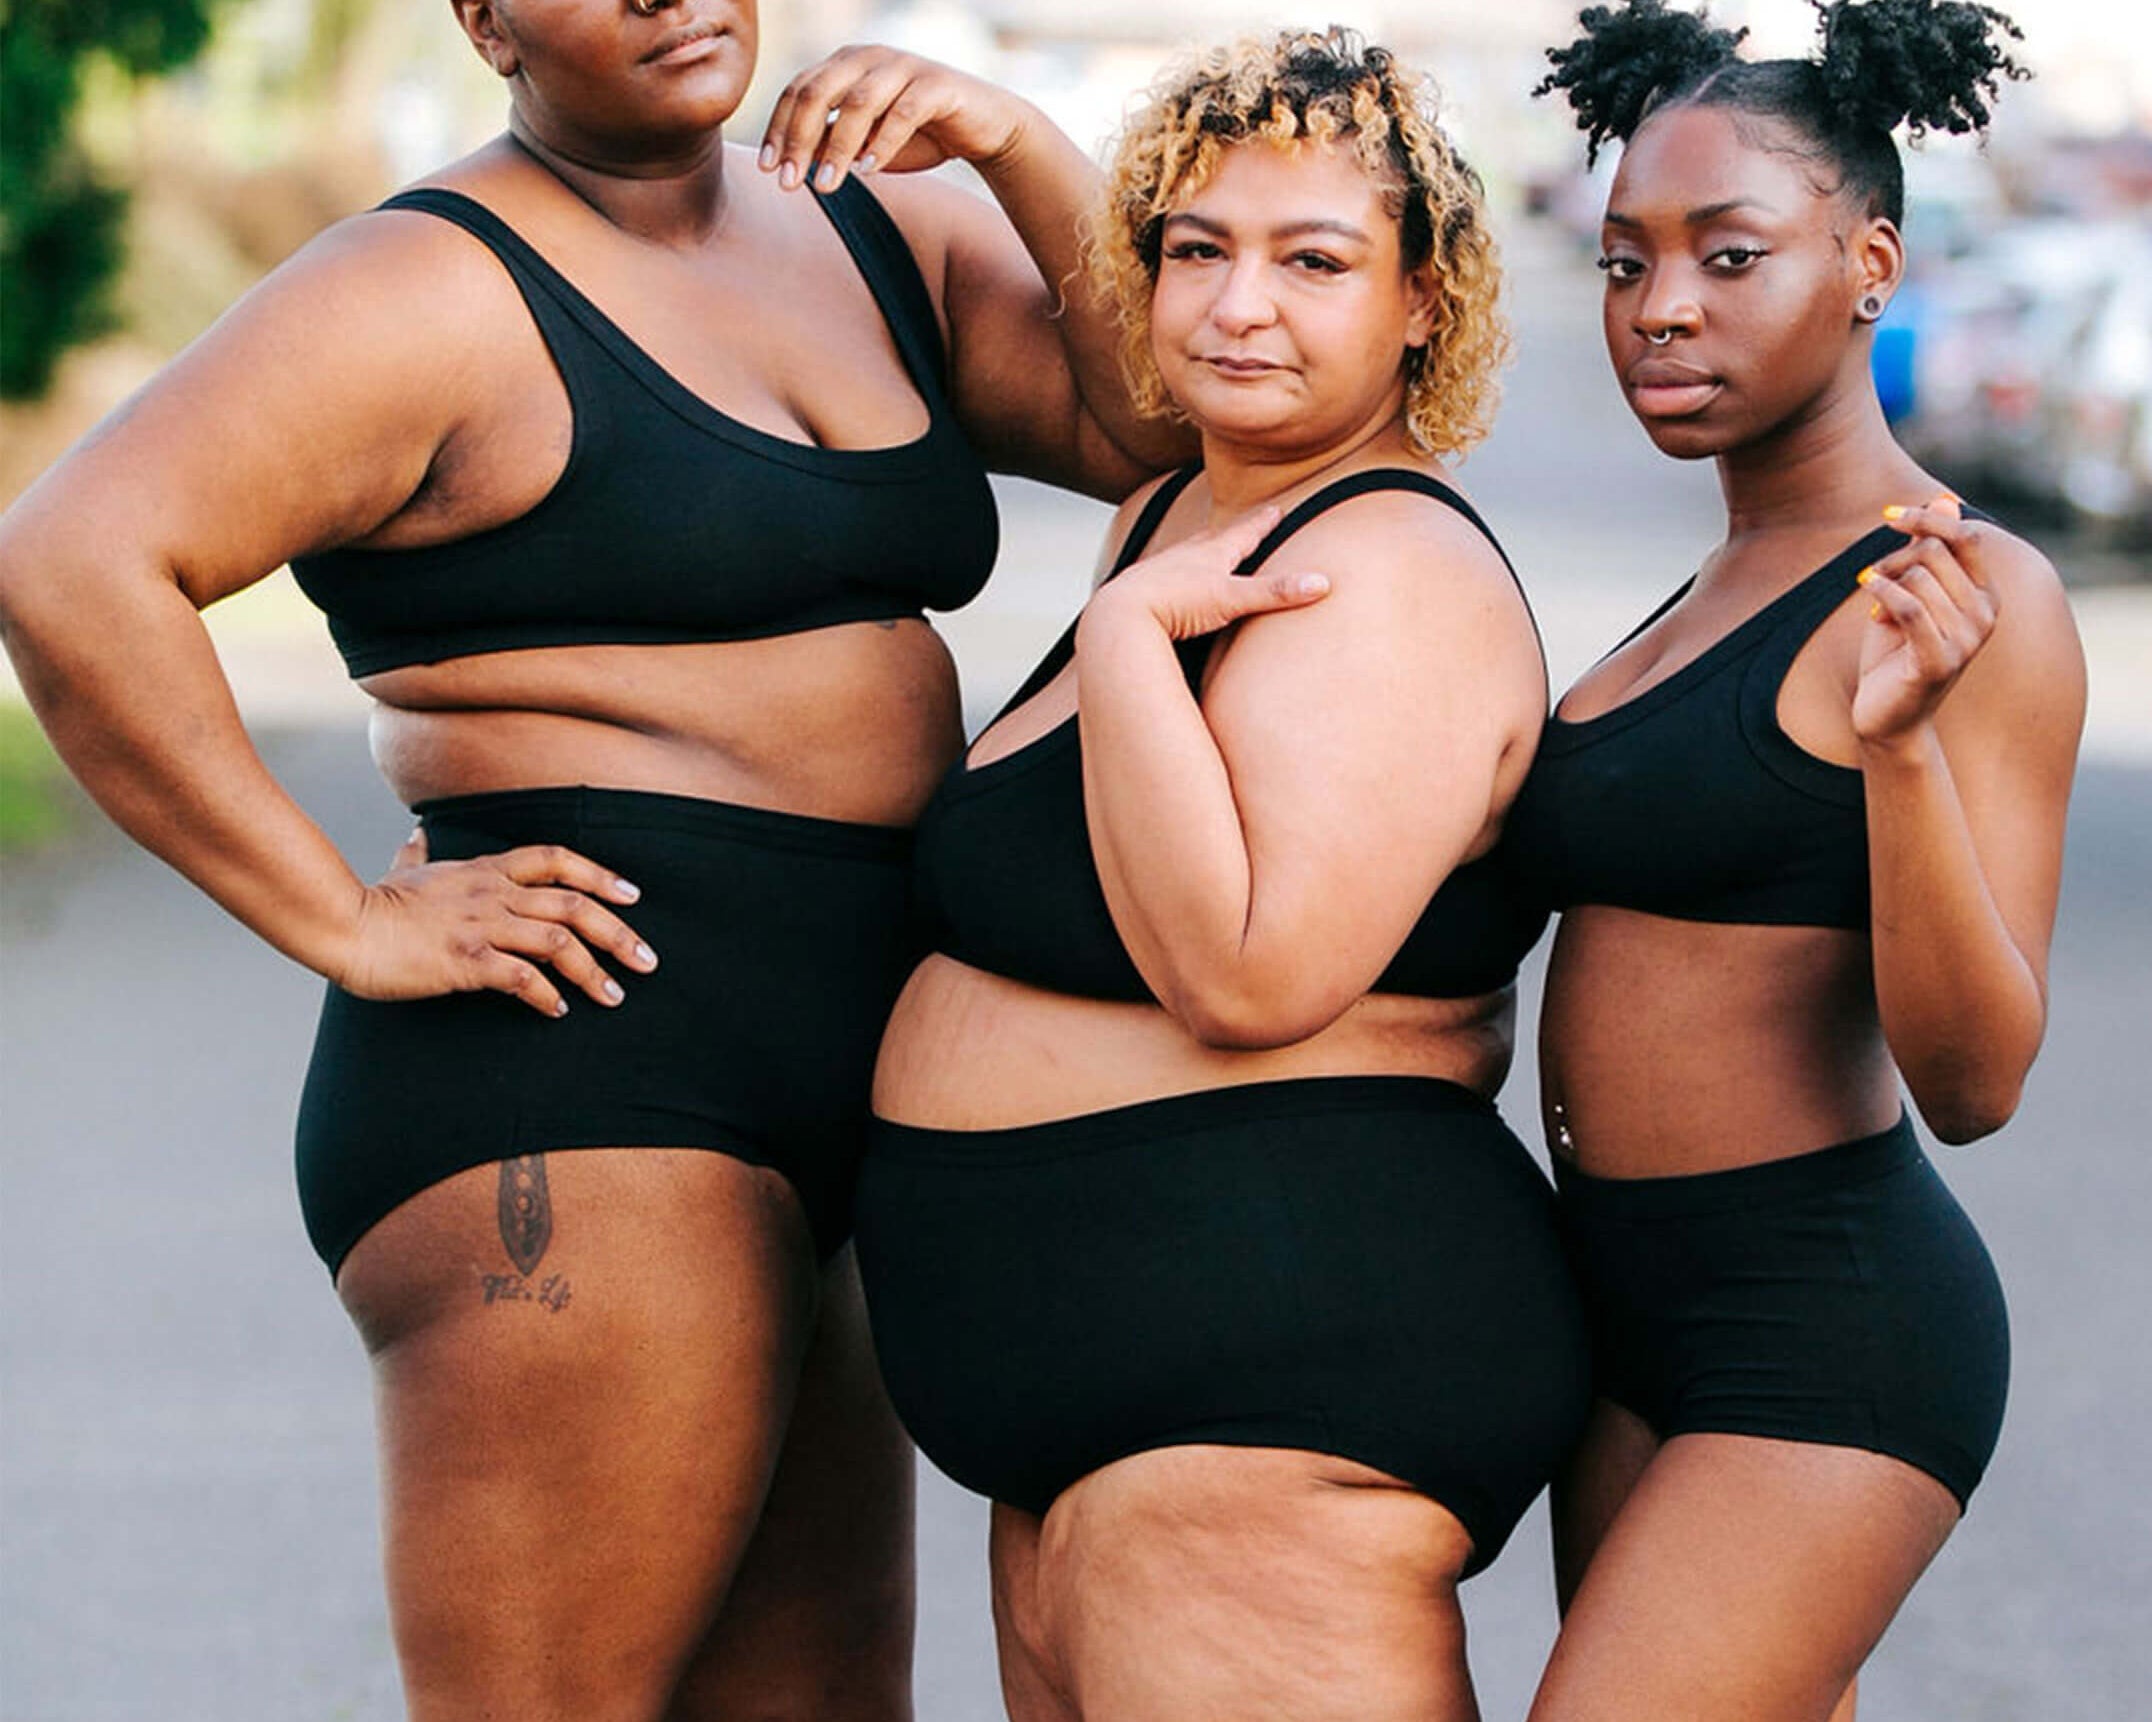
1962	1008
1168	839
1045	184
127	684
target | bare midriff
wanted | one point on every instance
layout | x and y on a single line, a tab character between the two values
1670	1047
855	722
969	1050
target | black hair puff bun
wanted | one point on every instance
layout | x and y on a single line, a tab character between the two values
1924	63
1626	58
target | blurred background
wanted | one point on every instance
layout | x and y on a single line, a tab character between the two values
185	1450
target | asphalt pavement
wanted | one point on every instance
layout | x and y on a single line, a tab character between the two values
186	1470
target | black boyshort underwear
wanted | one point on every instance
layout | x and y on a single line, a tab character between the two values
782	941
1359	1266
1841	1297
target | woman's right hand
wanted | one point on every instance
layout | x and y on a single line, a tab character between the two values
1193	587
870	107
493	923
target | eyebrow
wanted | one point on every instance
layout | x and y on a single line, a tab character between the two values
1696	217
1285	230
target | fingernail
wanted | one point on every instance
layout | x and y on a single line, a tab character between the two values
646	956
1310	584
1875	611
612	991
768	158
626	892
788	176
827	178
560	1007
865	164
1894	512
1866	577
1948	496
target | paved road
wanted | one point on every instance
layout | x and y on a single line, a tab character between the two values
186	1494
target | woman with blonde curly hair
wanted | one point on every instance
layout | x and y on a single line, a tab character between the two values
1190	1233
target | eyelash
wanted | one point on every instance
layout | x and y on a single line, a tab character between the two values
1736	260
1203	251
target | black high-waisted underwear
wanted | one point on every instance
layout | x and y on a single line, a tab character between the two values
1840	1296
1359	1266
782	942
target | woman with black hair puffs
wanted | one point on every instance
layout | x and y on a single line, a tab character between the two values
1805	827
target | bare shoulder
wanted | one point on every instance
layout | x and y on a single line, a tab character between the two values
2030	675
934	215
2034	623
1124	522
1412	547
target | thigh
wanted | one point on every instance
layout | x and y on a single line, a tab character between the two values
818	1623
583	1363
1743	1577
1262	1584
1031	1688
1589	1490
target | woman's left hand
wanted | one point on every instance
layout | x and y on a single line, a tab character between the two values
875	109
1933	611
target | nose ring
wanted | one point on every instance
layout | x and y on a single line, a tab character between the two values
1659	339
644	8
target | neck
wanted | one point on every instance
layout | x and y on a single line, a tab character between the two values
1240	477
1833	462
669	198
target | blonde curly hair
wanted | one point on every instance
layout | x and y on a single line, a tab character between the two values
1327	86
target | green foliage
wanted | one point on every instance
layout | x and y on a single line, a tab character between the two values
59	224
33	784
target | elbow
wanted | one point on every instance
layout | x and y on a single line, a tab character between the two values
1961	1124
1230	1018
1962	1112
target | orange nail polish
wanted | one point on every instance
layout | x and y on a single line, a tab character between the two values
1875	611
1866	577
1894	512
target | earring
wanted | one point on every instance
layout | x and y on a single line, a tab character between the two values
1871	307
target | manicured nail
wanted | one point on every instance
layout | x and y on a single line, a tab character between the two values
1308	585
1875	612
788	176
646	956
1866	577
626	892
1948	496
826	180
612	991
1895	511
560	1007
865	164
768	158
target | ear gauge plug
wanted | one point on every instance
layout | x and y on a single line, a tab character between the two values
1871	307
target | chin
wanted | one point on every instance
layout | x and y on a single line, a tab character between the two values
1686	439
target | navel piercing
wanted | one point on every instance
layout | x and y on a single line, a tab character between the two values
1659	339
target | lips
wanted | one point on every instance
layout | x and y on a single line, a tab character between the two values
686	42
1241	365
1668	388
